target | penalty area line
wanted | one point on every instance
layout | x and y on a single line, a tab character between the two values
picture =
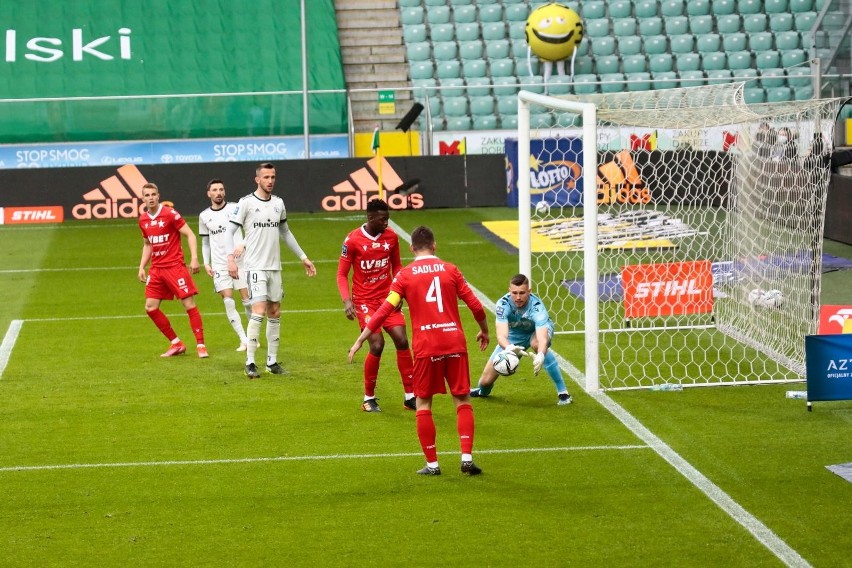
9	343
328	457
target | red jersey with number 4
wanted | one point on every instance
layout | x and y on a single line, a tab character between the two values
432	288
162	230
374	261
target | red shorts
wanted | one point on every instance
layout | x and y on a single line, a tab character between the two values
430	374
366	311
169	283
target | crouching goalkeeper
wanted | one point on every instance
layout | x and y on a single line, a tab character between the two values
523	323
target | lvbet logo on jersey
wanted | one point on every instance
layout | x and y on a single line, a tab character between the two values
117	197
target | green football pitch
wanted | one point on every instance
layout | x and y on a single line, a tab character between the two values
111	455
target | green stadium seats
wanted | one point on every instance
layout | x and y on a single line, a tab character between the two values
781	22
754	23
797	6
656	44
774	7
502	67
729	23
620	9
455	3
474	68
739	60
559	85
505	85
754	95
691	78
541	120
602	46
793	57
672	8
687	62
613	83
435	2
412	15
445	51
664	80
708	42
482	106
683	43
606	64
468	32
638	81
519	48
523	66
507	105
714	61
624	27
585	84
418	51
517	30
452	87
805	21
409	3
700	24
593	10
414	33
534	84
799	77
438	14
785	41
448	69
718	76
779	95
485	122
459	123
761	41
749	6
517	12
661	62
803	93
455	106
491	13
724	7
509	122
478	86
442	32
651	25
435	105
583	48
646	9
698	8
735	42
597	28
498	49
471	49
771	78
583	66
465	14
634	64
629	45
676	25
422	70
493	30
767	59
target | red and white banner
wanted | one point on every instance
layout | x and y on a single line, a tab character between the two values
668	289
25	215
834	320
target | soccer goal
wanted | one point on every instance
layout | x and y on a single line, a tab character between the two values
693	253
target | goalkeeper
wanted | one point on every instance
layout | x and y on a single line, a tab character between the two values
522	324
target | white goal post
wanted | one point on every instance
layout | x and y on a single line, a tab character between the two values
693	254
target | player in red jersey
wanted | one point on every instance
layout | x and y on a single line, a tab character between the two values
432	288
168	278
372	252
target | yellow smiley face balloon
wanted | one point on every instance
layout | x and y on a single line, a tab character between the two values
554	31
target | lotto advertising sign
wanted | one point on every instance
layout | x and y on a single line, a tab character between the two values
667	289
555	167
828	360
834	320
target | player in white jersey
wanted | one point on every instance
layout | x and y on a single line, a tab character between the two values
213	223
263	220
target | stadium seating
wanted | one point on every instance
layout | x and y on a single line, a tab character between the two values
464	14
646	9
698	7
620	9
650	26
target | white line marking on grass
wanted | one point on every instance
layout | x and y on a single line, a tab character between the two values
748	521
9	343
205	314
302	458
127	268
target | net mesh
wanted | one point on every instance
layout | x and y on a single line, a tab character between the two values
709	233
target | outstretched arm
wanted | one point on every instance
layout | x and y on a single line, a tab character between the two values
389	305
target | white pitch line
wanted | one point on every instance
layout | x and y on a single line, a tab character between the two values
10	469
9	343
127	268
205	314
761	532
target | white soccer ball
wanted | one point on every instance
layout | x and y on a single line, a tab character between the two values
506	363
772	299
542	208
754	296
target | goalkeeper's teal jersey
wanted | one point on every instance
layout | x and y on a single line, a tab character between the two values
523	321
260	220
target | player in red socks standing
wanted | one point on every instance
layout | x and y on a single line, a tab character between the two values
168	278
432	288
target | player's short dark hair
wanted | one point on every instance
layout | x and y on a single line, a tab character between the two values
264	166
214	180
377	205
422	238
519	280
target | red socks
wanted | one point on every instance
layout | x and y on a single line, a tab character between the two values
371	372
162	323
464	421
406	369
195	324
426	434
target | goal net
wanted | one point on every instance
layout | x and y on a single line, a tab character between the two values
693	252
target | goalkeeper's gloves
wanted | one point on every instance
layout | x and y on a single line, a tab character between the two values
516	349
538	362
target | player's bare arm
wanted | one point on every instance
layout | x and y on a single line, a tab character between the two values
390	304
233	270
146	257
194	265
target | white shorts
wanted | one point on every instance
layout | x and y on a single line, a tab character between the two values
264	286
223	281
